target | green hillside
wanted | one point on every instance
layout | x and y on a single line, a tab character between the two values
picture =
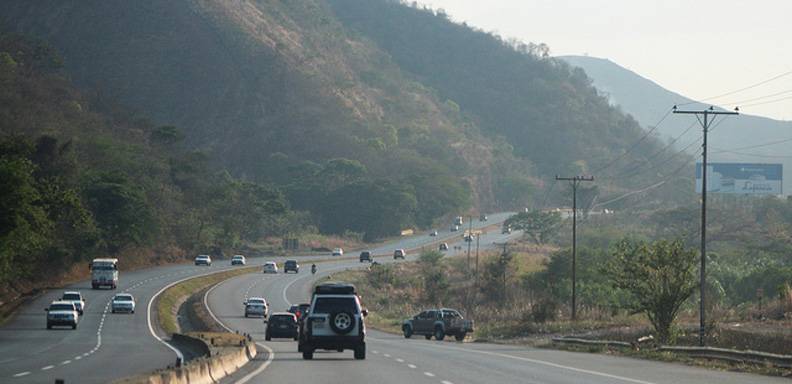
548	111
222	123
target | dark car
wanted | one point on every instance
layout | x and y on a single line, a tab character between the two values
291	265
281	325
300	310
438	323
365	256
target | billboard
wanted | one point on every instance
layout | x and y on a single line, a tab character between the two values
741	178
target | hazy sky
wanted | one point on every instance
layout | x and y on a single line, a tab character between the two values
698	48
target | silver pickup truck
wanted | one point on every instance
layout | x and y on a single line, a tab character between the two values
438	323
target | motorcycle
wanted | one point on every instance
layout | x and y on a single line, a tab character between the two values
313	269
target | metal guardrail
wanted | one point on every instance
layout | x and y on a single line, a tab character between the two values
733	355
723	354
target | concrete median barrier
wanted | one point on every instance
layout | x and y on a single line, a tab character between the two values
226	353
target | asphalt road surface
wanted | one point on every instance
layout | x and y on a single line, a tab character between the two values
393	359
106	346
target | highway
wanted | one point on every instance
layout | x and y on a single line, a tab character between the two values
393	359
108	346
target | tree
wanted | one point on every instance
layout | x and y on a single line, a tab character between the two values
540	226
494	278
659	277
24	226
435	282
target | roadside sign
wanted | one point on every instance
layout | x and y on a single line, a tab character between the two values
742	178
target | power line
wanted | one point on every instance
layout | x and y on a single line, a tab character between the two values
756	98
648	188
767	102
654	155
755	154
739	90
634	145
717	150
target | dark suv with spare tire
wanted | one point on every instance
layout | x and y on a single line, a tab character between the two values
334	322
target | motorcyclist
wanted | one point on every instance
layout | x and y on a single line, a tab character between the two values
313	268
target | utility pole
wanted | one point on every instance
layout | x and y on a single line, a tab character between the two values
469	240
477	259
705	124
574	182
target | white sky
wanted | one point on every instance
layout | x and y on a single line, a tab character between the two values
698	48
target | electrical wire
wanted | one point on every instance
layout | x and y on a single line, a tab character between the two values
718	150
756	98
634	145
739	90
653	156
766	102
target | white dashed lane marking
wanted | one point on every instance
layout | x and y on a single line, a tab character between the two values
20	374
412	366
446	382
48	367
386	355
66	362
400	360
430	374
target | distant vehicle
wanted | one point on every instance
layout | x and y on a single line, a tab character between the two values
76	298
291	265
255	307
334	322
203	260
338	252
438	323
506	230
270	267
123	302
281	325
483	217
104	272
365	256
443	246
238	260
313	269
300	310
399	254
454	228
468	238
62	313
433	233
458	220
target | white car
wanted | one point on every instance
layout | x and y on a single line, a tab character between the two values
338	252
433	233
62	313
76	298
203	260
256	307
238	260
123	302
334	322
270	267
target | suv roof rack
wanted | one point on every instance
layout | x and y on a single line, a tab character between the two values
335	289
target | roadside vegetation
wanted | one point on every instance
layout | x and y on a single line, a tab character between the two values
637	275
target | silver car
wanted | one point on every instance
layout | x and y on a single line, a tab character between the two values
123	303
255	307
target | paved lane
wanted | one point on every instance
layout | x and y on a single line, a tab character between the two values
104	344
393	359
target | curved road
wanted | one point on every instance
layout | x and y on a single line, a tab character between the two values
393	359
108	346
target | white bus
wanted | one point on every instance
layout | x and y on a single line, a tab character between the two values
104	272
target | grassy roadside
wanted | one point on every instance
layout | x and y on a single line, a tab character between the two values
393	293
169	300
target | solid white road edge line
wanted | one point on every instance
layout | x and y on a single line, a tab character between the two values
154	297
270	352
529	360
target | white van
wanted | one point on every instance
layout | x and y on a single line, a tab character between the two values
104	272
